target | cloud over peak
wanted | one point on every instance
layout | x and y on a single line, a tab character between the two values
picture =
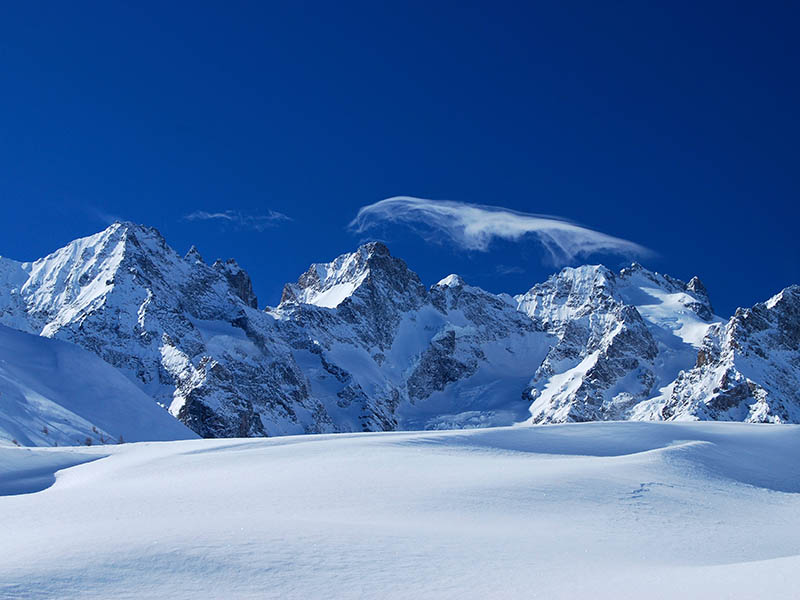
237	218
475	226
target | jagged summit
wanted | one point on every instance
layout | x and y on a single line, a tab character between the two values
636	268
695	296
193	255
569	294
452	280
238	279
747	369
789	297
374	248
327	285
696	286
138	235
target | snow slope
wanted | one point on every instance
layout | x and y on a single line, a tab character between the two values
55	393
602	510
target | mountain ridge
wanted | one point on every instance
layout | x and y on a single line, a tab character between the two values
360	344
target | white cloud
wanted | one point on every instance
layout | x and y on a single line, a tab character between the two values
239	218
509	270
474	226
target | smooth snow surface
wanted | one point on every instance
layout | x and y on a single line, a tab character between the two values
53	393
596	510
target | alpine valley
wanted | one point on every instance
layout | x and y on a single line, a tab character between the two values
360	344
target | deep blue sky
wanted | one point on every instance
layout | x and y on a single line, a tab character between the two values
675	127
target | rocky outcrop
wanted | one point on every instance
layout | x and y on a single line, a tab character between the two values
239	281
402	355
603	362
748	369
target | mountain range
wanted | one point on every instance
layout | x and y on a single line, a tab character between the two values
360	344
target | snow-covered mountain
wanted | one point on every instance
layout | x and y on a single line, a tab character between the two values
383	352
622	340
748	369
360	344
184	331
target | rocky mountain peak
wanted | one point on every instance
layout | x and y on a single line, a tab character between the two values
637	283
698	290
371	267
583	280
748	369
451	281
778	318
696	286
637	272
374	249
635	267
194	256
238	279
138	236
570	294
788	299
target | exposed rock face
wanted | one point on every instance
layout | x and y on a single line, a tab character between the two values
602	343
360	344
369	288
748	369
703	306
239	281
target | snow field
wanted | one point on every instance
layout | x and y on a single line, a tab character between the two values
607	510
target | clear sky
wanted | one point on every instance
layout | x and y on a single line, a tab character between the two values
674	127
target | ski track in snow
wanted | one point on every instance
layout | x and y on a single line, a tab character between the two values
602	510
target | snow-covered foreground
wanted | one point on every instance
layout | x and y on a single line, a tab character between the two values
601	510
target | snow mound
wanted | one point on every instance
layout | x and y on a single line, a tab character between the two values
602	510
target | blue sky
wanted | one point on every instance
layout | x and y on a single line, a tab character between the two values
673	127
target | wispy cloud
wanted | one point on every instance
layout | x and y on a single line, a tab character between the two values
509	270
240	219
475	226
102	215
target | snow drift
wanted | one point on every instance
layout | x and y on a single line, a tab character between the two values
601	510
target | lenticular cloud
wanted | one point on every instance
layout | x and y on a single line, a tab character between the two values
474	226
